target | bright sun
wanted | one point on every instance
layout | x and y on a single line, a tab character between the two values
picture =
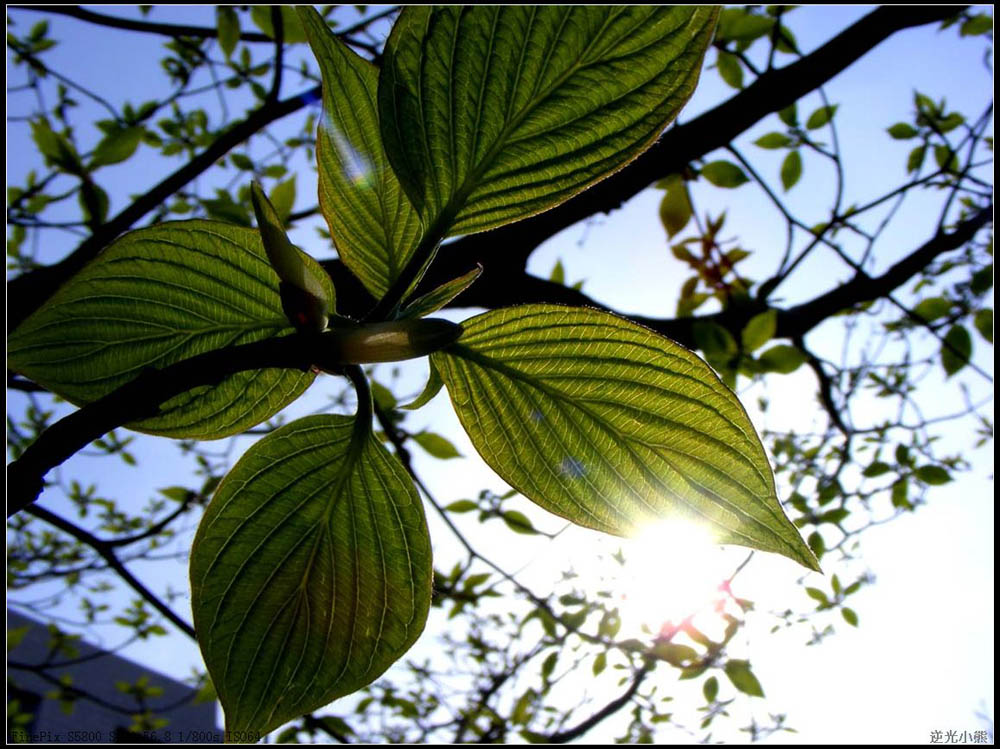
672	570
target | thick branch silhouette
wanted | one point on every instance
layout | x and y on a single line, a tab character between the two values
141	398
502	250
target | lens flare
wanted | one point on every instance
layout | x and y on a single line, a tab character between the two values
672	570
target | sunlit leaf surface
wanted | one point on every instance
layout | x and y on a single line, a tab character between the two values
154	297
612	426
493	113
373	225
310	572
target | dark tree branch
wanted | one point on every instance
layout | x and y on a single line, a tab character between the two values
505	250
141	398
176	30
28	292
510	246
611	708
863	288
149	27
106	551
517	287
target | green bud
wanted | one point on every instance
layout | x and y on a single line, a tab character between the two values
302	295
387	341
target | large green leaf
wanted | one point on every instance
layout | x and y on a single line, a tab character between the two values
154	297
310	572
612	426
371	220
493	113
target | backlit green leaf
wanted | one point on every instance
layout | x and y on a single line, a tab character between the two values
900	494
791	170
310	571
982	280
737	24
305	290
431	389
675	208
518	522
373	225
710	689
439	297
742	677
759	330
227	22
436	445
932	308
773	140
283	199
876	469
782	358
916	158
903	131
956	349
117	146
674	654
933	475
789	115
55	147
724	174
730	69
977	24
821	116
154	297
600	663
493	113
612	426
291	31
462	505
984	323
714	340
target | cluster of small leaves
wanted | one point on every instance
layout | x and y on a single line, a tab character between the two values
930	125
795	136
490	505
739	29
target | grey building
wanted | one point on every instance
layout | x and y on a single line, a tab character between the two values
94	708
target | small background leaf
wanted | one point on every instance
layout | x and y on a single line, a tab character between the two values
724	174
791	170
675	208
436	445
742	677
292	32
227	22
821	116
759	330
782	358
956	350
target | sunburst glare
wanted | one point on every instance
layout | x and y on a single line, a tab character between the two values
672	570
